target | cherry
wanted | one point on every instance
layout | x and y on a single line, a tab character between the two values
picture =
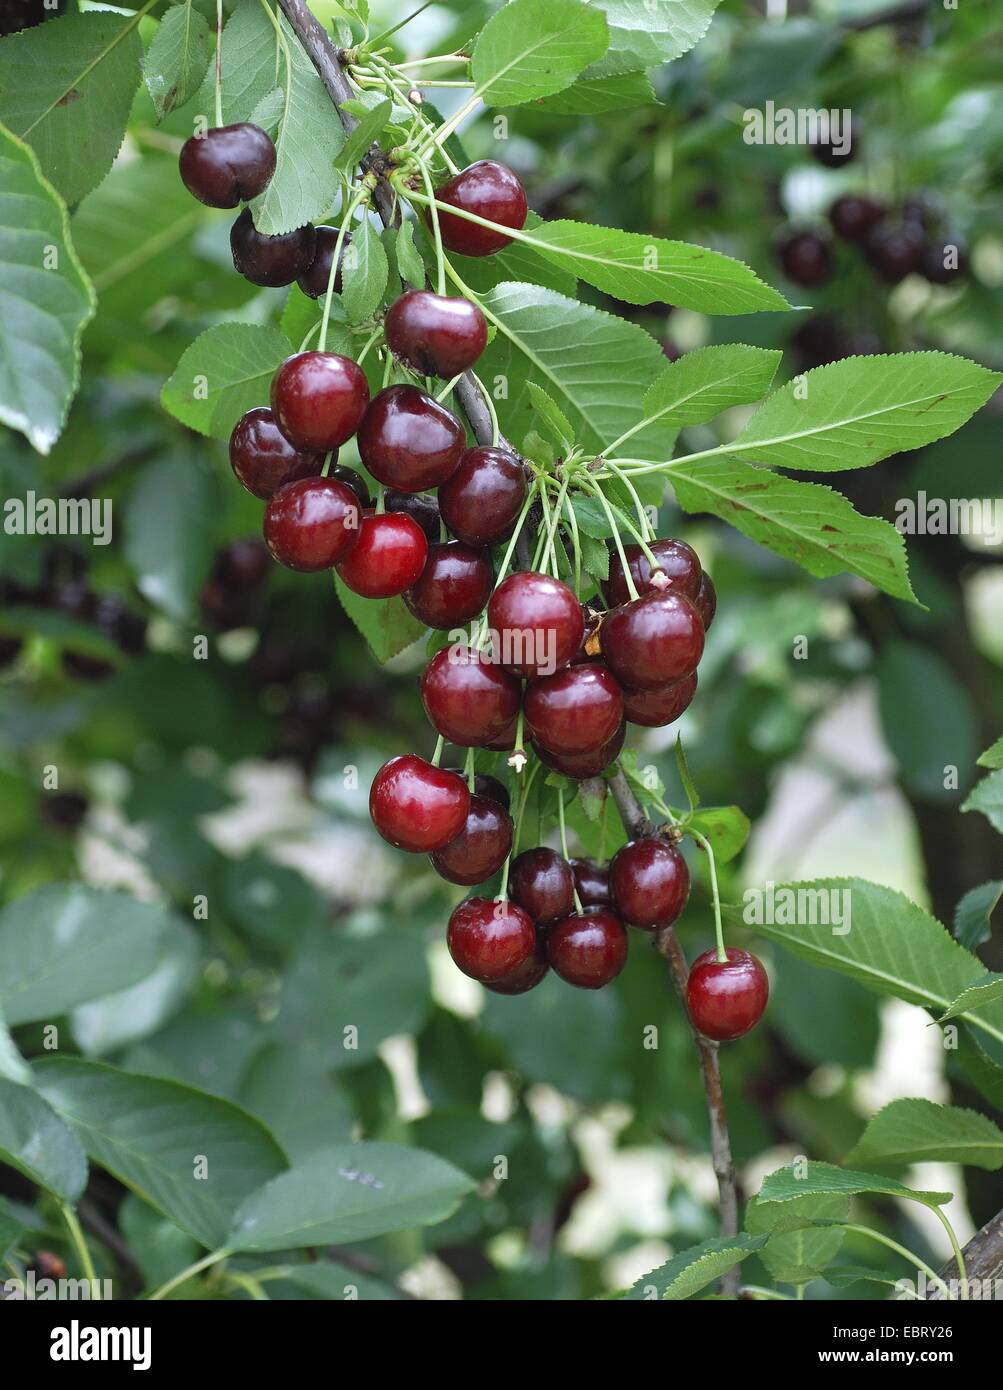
228	165
589	647
355	481
835	155
319	399
416	806
453	587
591	883
706	600
483	498
505	741
588	951
653	709
806	258
262	457
311	524
313	280
486	785
575	710
408	440
854	215
649	882
541	882
654	640
270	260
894	250
486	189
583	765
435	335
389	557
481	847
242	565
933	261
419	506
469	700
678	562
536	623
726	999
489	941
526	976
63	810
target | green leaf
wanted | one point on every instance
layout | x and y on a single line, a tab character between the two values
988	798
693	1269
593	96
708	380
298	1100
192	1156
726	827
647	33
45	299
12	1064
985	990
386	624
552	417
992	757
365	271
34	1140
844	1276
177	58
517	263
927	717
918	1131
227	370
170	532
973	913
595	557
11	1229
370	128
815	1179
797	1256
532	48
689	786
346	1193
252	64
410	263
66	87
593	520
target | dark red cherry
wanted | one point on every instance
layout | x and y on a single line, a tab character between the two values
726	999
409	441
678	562
270	260
486	189
541	882
228	165
313	280
589	647
649	882
943	261
262	458
654	640
435	335
481	847
505	741
588	951
319	399
583	765
490	940
419	506
469	700
526	976
312	524
355	481
483	498
453	587
389	557
536	624
591	883
806	258
854	215
706	600
416	806
575	710
486	785
242	565
653	709
895	250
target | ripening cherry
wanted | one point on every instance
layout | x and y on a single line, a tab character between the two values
481	847
418	807
591	883
541	882
583	765
490	941
270	260
489	190
319	399
590	950
389	557
435	335
525	976
312	523
228	165
313	280
649	882
706	600
654	709
262	458
726	998
482	499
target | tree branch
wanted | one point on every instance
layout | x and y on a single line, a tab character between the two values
983	1258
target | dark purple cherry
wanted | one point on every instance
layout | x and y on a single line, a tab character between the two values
270	260
481	847
469	700
228	165
490	941
313	280
895	250
588	951
312	524
419	506
353	479
409	441
489	190
262	458
453	587
541	882
486	785
591	883
482	499
943	261
654	640
853	216
678	569
525	976
806	258
416	806
706	600
435	335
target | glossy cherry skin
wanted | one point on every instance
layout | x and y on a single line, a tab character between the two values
679	564
583	765
536	623
435	335
489	190
482	499
649	882
481	847
588	951
854	215
706	600
313	280
453	587
806	259
540	881
262	458
270	260
389	557
490	941
416	806
354	480
575	710
228	165
468	699
319	399
419	506
409	441
725	1000
526	976
486	785
591	883
653	709
311	524
654	640
505	741
895	250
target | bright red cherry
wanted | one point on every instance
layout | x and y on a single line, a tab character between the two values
541	882
262	458
435	335
311	524
590	950
654	640
270	260
481	847
486	189
416	806
482	499
228	165
526	976
319	399
389	557
726	999
453	587
706	600
649	882
678	563
536	624
419	506
469	700
489	940
653	709
409	441
591	883
314	279
575	710
583	765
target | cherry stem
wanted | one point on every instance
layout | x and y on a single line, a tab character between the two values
440	255
79	1243
900	1250
438	140
437	755
527	782
351	204
468	770
449	387
642	515
219	62
618	541
564	844
722	954
365	351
